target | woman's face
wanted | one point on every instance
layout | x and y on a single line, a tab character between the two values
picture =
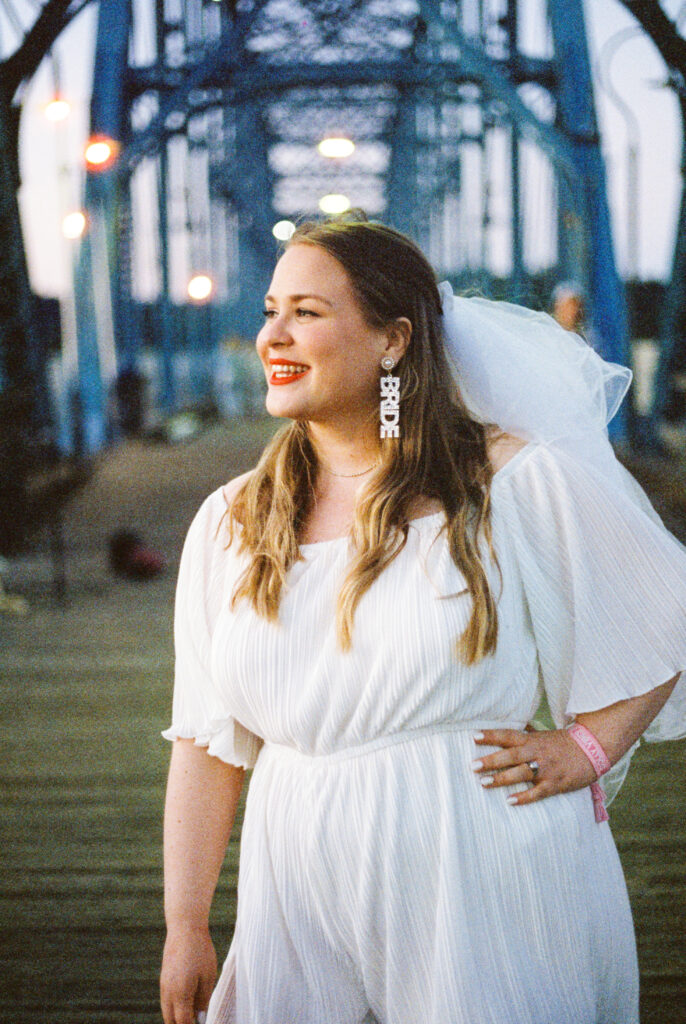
321	358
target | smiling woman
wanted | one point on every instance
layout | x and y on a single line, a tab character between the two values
359	615
315	332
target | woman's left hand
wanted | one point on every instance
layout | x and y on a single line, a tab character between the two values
551	760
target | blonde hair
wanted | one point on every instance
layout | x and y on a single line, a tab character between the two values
441	453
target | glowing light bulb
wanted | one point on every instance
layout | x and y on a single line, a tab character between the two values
200	287
74	224
283	229
334	203
336	147
57	109
101	153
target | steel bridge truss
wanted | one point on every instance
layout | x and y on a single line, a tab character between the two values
474	128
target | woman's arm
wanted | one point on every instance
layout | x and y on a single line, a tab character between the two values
202	795
563	766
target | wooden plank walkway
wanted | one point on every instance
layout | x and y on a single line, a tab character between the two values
84	693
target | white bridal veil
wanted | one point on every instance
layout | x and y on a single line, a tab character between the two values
520	370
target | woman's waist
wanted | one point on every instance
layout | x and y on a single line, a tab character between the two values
352	748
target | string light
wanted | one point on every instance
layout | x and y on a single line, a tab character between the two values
200	287
101	153
57	109
334	203
336	147
283	229
74	224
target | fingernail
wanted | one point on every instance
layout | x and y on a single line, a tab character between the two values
477	766
478	736
487	780
201	1017
511	800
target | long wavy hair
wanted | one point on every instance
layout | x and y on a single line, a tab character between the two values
441	453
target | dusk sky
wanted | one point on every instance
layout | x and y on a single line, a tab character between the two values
51	154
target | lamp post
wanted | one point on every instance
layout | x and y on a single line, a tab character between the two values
605	57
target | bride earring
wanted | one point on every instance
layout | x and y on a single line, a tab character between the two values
389	409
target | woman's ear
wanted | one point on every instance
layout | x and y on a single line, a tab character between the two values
399	334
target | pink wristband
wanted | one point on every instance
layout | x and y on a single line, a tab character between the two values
585	739
599	809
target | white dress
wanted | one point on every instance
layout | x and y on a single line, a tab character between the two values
379	881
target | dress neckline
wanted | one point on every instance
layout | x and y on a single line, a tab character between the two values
346	536
500	474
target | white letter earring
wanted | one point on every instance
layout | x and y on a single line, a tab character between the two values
389	409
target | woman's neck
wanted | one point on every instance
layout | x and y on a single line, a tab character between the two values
351	453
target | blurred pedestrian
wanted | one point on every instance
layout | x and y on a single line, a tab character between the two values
568	306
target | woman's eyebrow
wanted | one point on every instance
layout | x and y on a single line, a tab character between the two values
299	298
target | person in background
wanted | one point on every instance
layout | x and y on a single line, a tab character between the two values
568	306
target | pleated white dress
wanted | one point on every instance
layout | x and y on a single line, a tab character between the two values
379	881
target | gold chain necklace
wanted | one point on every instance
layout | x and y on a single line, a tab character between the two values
348	476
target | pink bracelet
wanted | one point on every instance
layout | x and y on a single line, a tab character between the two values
585	739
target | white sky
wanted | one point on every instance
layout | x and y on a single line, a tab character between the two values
51	154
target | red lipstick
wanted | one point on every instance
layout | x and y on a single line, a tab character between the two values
279	374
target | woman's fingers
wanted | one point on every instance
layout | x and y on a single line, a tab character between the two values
514	750
529	796
508	777
549	761
178	1008
501	737
189	968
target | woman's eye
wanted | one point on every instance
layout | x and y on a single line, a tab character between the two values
305	312
267	313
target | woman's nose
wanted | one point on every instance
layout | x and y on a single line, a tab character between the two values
275	331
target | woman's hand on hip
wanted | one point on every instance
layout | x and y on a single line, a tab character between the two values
189	971
550	760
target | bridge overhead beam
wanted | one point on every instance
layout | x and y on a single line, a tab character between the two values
236	86
215	73
189	81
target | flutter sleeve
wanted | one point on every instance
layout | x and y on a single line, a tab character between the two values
200	592
605	585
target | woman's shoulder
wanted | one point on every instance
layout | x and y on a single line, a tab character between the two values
231	489
502	447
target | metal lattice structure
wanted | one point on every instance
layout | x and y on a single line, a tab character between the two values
454	107
474	128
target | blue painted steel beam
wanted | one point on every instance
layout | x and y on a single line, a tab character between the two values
215	74
100	248
578	122
574	147
191	79
262	81
252	190
401	207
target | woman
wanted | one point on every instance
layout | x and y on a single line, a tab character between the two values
361	618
